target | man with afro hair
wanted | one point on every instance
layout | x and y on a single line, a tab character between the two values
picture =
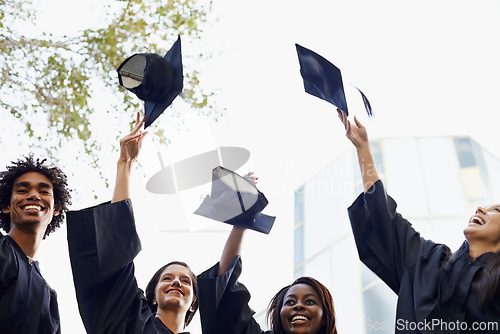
33	199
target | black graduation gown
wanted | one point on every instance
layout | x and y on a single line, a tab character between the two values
410	266
103	243
224	301
27	303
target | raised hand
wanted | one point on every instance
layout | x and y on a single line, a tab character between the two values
356	133
251	178
131	144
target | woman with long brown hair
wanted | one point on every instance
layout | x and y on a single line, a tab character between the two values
439	291
103	244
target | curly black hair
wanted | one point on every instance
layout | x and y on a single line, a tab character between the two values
62	196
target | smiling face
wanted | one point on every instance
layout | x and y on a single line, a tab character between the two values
31	202
302	311
174	289
484	227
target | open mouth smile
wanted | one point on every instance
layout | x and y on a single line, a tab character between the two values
299	318
32	207
477	220
175	291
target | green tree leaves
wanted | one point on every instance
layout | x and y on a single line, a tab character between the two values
48	82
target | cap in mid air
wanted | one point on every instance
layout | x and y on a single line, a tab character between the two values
236	201
324	80
154	79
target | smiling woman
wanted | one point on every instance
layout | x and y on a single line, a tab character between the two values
305	306
483	231
452	292
173	285
103	243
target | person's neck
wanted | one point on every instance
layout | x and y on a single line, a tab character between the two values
476	249
29	241
172	319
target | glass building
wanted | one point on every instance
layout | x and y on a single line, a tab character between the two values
437	182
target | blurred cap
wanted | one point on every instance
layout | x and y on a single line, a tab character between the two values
154	79
236	201
324	80
321	78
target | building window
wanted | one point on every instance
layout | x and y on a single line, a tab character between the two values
299	206
298	239
465	152
471	174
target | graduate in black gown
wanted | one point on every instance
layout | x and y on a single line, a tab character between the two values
438	291
103	244
33	197
305	306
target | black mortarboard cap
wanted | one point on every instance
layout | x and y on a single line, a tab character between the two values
321	78
236	201
154	79
324	80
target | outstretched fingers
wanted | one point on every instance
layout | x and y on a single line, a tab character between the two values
358	123
130	138
355	131
251	178
138	123
141	138
131	144
134	134
343	117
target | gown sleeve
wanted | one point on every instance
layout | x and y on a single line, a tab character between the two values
224	301
103	243
386	242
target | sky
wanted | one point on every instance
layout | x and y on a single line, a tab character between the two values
429	68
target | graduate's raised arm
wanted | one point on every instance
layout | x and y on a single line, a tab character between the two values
130	146
232	248
358	136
